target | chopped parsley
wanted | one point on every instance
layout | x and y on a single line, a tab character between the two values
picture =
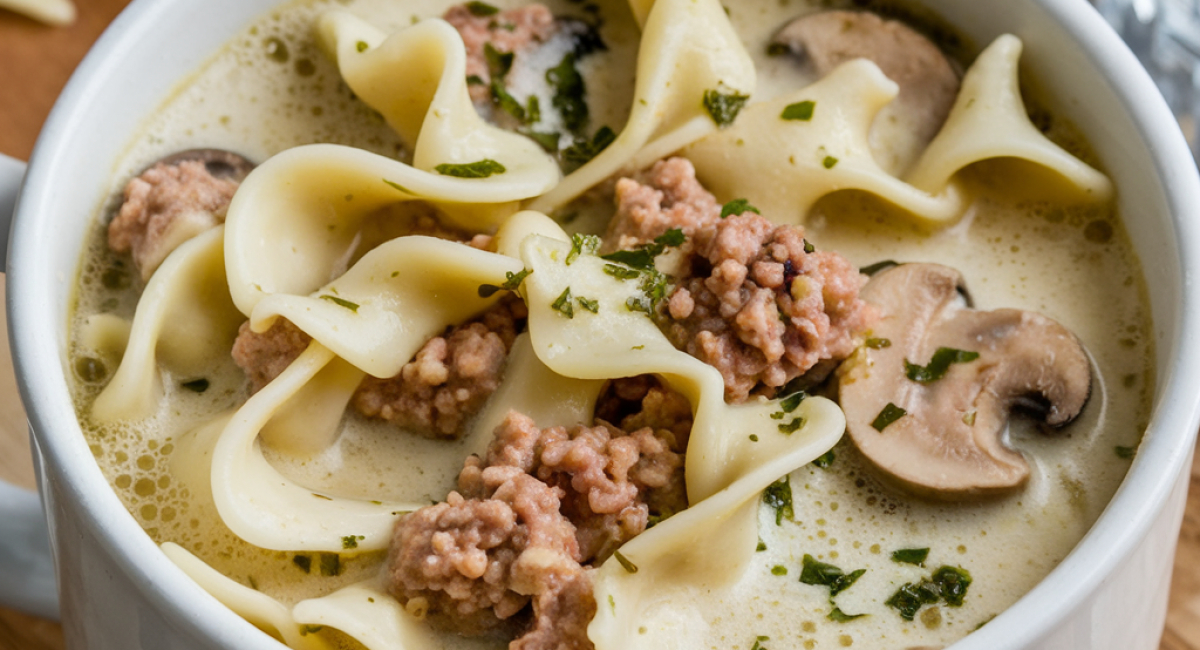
809	248
563	304
820	573
331	564
303	561
888	415
724	108
778	495
878	344
479	169
754	437
582	245
547	141
514	280
397	186
341	302
1122	452
642	257
620	272
778	570
498	63
802	111
588	304
625	563
569	93
948	584
838	616
824	460
829	162
481	8
196	385
361	46
938	365
475	80
577	155
791	427
872	269
351	541
758	640
509	104
737	206
911	556
762	546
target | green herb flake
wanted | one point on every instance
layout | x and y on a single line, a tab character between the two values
872	269
838	616
825	460
762	546
673	237
481	8
737	206
758	643
878	344
778	570
563	305
724	108
513	280
1124	452
829	162
802	111
569	93
507	103
911	556
475	80
351	541
809	248
498	63
754	437
583	150
791	427
341	302
398	187
361	46
196	385
953	582
303	561
620	272
588	304
582	245
911	597
792	402
331	564
822	574
479	169
888	415
938	365
778	495
487	290
547	141
625	563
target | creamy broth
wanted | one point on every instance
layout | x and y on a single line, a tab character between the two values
271	89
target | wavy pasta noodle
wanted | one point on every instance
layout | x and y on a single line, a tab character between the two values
402	395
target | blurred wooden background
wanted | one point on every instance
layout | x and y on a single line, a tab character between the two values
35	62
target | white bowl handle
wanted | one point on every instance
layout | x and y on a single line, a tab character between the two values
26	566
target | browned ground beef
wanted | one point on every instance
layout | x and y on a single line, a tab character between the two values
163	202
513	30
751	302
450	378
532	517
446	383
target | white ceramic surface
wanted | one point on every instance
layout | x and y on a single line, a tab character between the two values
118	590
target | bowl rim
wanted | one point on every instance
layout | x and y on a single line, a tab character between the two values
73	474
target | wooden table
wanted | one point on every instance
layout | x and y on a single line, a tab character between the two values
35	62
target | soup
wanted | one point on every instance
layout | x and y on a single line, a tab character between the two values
272	89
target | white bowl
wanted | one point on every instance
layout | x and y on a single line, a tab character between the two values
119	591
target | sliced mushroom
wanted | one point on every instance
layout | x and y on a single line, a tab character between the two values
928	80
948	442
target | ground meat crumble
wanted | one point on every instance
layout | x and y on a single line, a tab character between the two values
514	548
165	206
752	299
447	382
514	30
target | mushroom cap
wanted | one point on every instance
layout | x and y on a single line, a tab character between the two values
928	81
949	443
